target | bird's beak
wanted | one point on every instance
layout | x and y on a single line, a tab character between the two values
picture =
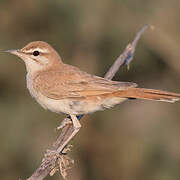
14	51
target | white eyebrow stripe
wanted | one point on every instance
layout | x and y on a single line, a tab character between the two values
41	50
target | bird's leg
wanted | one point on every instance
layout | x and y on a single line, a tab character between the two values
75	122
60	154
65	122
76	127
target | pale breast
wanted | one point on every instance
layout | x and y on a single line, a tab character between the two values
33	92
59	106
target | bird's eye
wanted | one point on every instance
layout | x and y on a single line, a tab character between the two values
36	53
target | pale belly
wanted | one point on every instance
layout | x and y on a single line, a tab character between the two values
77	107
73	106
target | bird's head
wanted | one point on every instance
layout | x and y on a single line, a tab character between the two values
37	55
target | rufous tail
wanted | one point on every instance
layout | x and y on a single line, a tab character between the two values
149	94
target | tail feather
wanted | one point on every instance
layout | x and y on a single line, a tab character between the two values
149	94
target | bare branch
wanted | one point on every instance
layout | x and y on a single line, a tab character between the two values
126	57
49	161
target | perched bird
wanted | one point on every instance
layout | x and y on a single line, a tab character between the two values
62	88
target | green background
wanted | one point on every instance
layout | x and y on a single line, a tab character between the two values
137	140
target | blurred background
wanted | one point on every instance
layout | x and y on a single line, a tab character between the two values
137	140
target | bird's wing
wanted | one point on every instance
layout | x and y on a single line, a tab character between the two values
74	83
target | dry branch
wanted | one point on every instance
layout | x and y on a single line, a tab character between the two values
49	161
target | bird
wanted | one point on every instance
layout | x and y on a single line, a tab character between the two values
63	88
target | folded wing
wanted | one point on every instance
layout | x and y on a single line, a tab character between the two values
75	84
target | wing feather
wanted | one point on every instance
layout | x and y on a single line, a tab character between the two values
73	83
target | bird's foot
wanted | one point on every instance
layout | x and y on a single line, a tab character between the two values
65	122
66	149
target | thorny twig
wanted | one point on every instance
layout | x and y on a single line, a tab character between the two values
56	154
